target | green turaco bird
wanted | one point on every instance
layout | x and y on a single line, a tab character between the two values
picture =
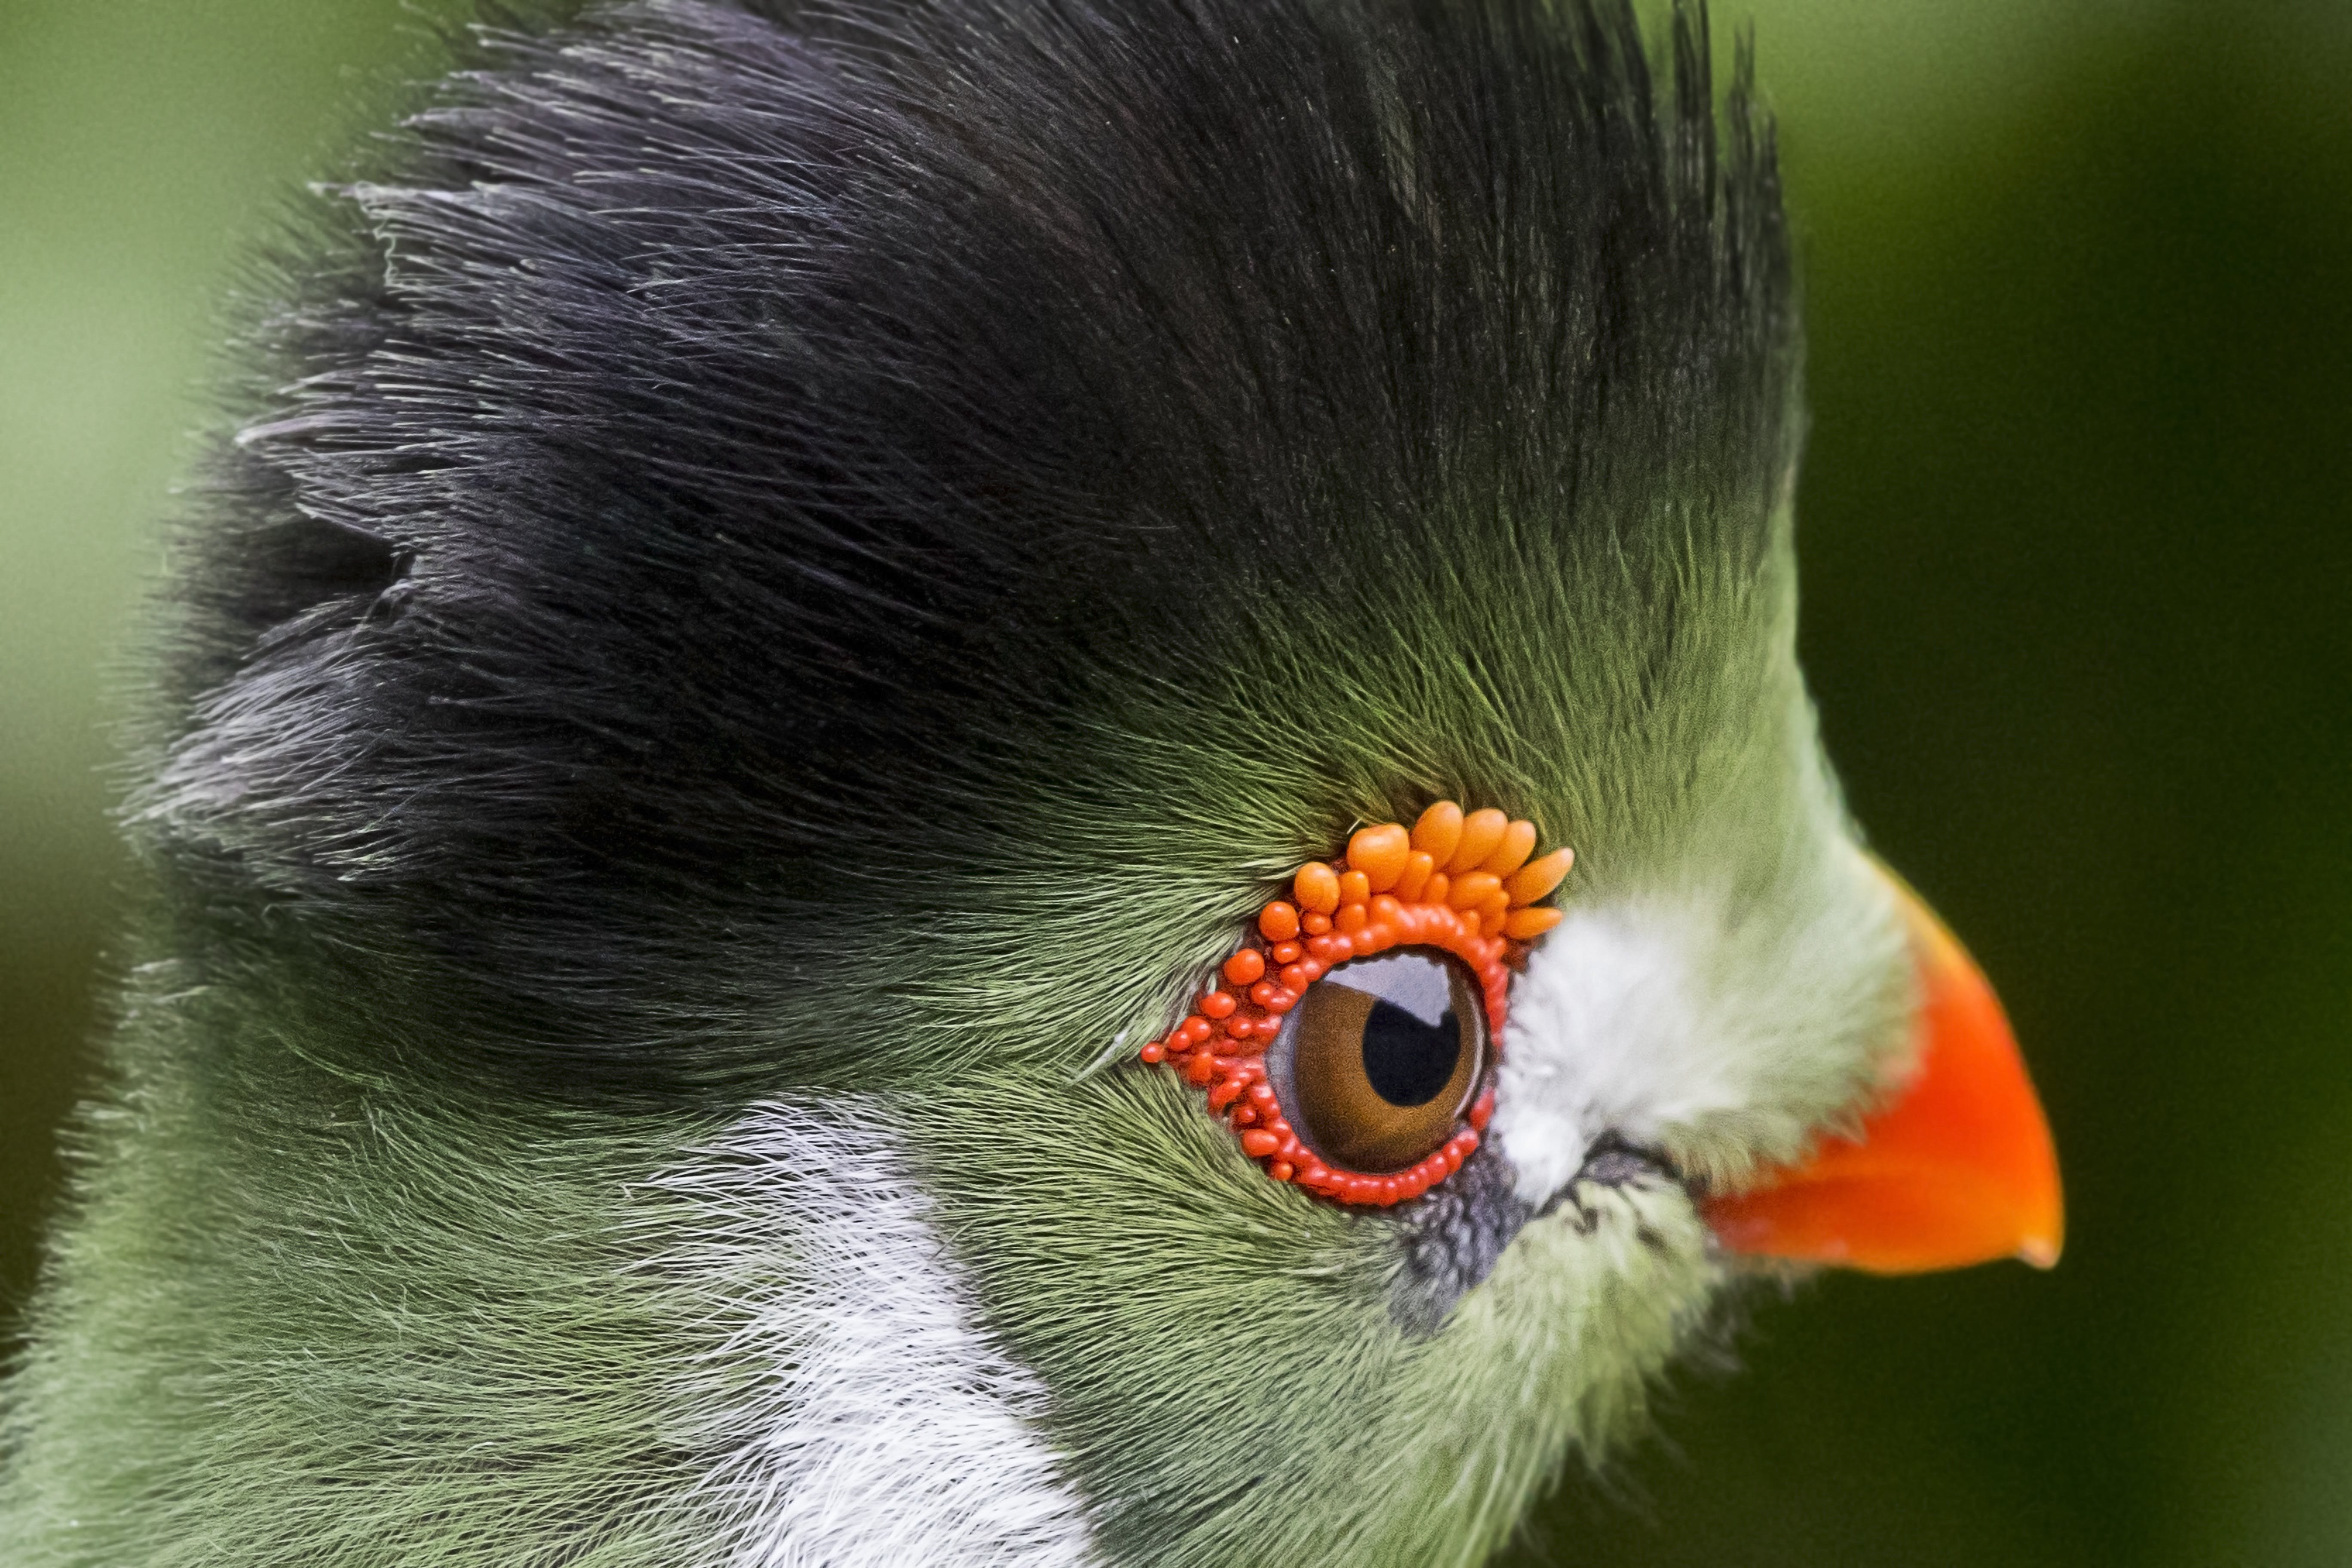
990	782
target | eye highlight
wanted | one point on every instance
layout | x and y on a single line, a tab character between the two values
1376	1087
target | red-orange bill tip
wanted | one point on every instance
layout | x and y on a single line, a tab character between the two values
1957	1167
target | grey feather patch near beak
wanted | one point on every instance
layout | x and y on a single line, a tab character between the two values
1454	1235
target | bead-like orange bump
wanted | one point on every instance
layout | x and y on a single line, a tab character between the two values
1438	831
1434	892
1355	888
1278	921
1526	925
1245	967
1417	868
1380	854
1218	1005
1473	889
1317	887
1482	834
1538	877
1518	843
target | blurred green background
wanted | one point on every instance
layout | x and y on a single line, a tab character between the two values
2077	531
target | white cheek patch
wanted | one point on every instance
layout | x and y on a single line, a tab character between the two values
1600	1036
1724	1043
870	1423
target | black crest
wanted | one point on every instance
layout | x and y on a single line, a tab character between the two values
727	480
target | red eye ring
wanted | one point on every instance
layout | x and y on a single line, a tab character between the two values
1463	884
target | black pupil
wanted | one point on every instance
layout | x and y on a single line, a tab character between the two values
1406	1060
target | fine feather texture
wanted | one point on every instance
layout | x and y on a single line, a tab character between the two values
829	555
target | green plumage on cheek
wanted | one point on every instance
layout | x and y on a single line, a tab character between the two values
1225	1360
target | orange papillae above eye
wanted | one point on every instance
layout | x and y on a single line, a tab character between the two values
1384	1065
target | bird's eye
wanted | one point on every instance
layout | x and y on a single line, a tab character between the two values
1379	985
1377	1062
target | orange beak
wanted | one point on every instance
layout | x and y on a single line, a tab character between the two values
1957	1167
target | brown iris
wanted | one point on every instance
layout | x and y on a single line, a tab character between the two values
1381	1056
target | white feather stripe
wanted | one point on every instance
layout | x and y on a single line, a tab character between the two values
867	1421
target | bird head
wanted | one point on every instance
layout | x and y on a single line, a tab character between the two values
867	771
